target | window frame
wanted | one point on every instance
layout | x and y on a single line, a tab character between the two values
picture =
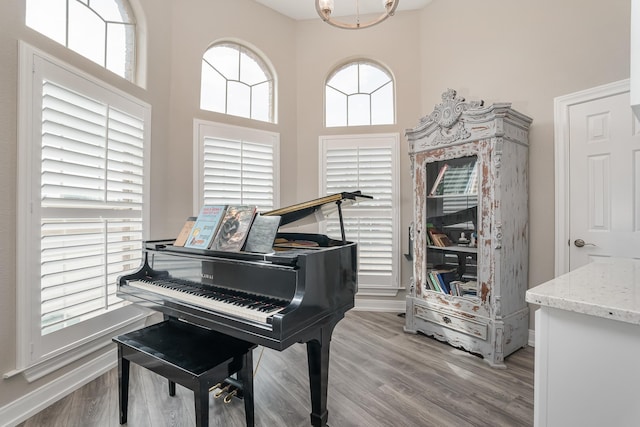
368	285
38	355
206	128
264	65
358	63
131	41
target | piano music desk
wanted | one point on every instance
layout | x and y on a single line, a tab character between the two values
189	355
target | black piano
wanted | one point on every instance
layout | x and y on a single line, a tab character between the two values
297	293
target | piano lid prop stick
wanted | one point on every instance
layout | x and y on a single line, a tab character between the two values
255	371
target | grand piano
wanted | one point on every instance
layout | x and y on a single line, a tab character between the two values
296	293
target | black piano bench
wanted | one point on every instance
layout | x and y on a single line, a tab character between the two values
194	357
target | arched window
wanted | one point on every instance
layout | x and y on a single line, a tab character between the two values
103	31
236	81
359	93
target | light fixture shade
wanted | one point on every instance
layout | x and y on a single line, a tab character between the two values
325	9
326	6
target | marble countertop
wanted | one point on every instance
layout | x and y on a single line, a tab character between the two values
608	288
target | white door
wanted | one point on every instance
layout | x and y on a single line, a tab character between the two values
602	198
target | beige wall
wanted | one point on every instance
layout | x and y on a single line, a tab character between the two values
526	53
157	16
195	28
320	48
521	52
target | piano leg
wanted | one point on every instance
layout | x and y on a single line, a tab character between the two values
123	386
318	360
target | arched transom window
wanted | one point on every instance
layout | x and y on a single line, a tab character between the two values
103	31
236	81
359	93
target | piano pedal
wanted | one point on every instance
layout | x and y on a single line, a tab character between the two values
230	388
221	391
229	396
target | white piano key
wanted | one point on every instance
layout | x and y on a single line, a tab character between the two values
212	304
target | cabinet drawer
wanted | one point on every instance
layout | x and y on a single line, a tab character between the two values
466	326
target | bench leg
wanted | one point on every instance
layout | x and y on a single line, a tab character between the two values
172	388
123	385
245	375
201	398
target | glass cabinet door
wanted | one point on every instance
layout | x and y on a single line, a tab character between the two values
451	224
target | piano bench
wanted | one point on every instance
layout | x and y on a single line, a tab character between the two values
189	355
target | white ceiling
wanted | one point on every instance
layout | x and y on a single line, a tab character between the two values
306	9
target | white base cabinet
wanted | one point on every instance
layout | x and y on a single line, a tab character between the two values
586	371
587	354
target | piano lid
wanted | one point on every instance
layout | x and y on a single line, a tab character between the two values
302	210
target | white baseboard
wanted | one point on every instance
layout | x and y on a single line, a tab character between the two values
380	305
532	338
34	402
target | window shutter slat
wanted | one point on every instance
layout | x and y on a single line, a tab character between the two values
238	172
92	164
369	169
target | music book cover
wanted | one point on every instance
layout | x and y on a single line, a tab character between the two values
234	228
185	231
205	227
262	234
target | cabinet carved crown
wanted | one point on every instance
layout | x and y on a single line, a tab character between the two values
446	114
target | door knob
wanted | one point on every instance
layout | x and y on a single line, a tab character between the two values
580	243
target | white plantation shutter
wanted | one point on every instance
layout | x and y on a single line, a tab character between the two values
84	184
91	211
237	166
367	163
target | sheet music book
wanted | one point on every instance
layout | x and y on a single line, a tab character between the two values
205	227
185	231
262	234
234	228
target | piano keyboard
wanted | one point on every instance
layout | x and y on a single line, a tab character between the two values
241	304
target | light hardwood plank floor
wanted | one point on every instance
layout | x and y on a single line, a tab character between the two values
379	376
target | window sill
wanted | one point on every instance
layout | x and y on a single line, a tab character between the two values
44	367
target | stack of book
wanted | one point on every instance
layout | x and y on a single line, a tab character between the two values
456	180
438	238
440	280
220	228
460	288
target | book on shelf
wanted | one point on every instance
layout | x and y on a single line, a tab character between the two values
456	180
440	280
262	234
234	228
462	288
433	282
472	183
185	231
438	238
205	227
436	189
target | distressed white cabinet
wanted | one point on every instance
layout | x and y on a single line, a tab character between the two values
484	195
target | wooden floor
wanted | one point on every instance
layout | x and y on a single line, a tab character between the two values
379	376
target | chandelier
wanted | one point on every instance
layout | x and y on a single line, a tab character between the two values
325	9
